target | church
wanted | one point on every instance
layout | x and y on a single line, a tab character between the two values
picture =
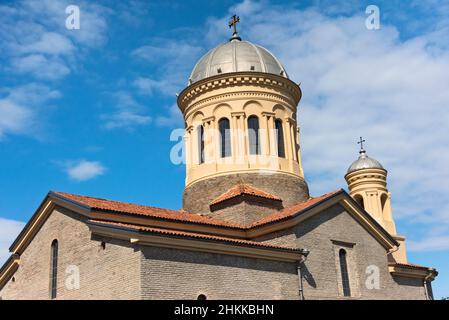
248	227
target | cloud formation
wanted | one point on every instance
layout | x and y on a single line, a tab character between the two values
20	106
84	170
9	230
127	113
371	83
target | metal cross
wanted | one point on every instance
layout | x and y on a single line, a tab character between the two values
361	143
233	22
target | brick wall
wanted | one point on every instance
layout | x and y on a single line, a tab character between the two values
122	271
324	234
178	274
112	273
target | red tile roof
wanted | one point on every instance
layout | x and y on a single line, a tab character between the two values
411	266
182	216
293	210
191	235
243	189
130	208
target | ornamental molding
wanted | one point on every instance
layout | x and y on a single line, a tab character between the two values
222	98
261	79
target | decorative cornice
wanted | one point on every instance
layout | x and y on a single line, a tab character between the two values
183	243
238	79
410	271
277	98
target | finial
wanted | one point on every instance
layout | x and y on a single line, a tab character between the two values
233	24
361	141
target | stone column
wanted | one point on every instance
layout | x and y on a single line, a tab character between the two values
238	137
288	139
188	148
267	132
209	140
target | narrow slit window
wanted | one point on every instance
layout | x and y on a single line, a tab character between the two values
53	269
344	273
225	138
280	138
200	130
253	135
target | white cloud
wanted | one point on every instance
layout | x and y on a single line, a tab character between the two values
173	118
438	243
127	112
20	106
124	119
357	82
84	170
172	61
40	66
34	39
148	86
9	230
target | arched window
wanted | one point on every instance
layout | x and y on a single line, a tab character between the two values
359	199
280	138
383	201
253	135
202	297
200	132
225	138
344	273
53	268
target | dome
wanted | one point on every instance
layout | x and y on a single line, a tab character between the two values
364	162
234	56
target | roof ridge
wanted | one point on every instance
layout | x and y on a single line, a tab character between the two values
243	188
60	193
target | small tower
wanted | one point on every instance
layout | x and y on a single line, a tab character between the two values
367	183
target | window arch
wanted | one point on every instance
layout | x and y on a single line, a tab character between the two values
280	137
359	199
53	268
344	273
201	297
200	135
225	137
383	201
253	135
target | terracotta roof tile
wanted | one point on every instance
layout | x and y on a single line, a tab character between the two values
191	235
293	210
410	266
129	208
180	215
241	189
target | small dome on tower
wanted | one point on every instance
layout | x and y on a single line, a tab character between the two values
236	56
364	162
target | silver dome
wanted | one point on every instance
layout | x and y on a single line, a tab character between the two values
364	162
235	56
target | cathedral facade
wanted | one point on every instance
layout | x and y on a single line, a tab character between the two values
248	229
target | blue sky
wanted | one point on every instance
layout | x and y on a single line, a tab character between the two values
90	111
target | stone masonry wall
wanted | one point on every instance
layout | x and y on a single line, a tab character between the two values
178	274
290	189
324	235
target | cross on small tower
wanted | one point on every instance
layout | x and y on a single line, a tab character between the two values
361	141
233	23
